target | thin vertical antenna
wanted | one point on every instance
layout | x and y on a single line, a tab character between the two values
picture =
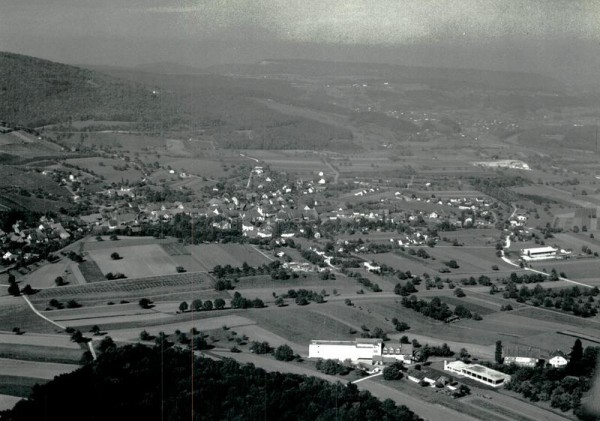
193	355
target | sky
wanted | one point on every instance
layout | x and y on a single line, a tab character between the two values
556	37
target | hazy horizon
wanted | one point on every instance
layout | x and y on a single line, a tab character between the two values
555	38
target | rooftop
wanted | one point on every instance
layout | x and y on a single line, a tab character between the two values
358	341
478	369
546	249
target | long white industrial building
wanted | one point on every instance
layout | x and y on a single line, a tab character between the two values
359	349
539	253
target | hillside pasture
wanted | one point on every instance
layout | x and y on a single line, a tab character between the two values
136	261
122	141
44	276
575	242
106	167
209	168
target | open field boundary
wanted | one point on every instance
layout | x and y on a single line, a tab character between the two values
125	285
579	335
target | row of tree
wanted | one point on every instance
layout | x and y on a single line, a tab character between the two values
573	300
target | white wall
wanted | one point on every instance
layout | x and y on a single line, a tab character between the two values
341	352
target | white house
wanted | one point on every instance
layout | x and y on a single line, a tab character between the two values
371	267
478	373
558	359
359	349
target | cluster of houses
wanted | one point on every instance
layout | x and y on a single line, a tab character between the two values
556	359
46	232
375	352
266	201
464	211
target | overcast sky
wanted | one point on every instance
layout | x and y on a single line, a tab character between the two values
558	37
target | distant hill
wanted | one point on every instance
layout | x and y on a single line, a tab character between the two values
169	68
35	92
435	76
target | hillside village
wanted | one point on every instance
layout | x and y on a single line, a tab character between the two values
429	256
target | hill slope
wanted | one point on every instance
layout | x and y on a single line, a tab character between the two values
35	92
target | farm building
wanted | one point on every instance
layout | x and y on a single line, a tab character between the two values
419	376
478	373
521	361
393	353
371	267
359	349
539	253
558	359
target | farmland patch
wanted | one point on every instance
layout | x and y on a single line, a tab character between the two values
135	262
211	255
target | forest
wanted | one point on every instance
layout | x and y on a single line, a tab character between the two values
131	383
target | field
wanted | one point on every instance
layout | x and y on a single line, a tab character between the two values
202	324
9	401
584	270
158	288
44	276
14	312
299	325
472	261
576	241
91	272
38	370
305	163
211	255
122	241
135	261
105	167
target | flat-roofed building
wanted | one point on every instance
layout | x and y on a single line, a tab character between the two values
539	253
478	373
359	349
